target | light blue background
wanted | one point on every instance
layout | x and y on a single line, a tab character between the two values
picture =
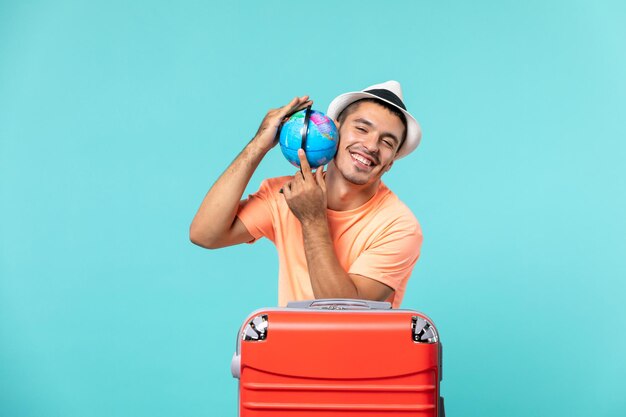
117	116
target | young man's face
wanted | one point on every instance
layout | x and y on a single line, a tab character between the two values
369	138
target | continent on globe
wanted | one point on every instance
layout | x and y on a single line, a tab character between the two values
321	139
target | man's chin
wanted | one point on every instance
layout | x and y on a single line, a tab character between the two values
356	179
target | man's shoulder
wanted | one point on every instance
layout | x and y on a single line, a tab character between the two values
395	210
392	202
274	184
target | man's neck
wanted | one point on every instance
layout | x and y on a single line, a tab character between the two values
343	195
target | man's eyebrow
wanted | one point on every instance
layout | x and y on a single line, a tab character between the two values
387	134
364	121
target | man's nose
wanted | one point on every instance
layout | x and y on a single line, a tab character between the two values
371	143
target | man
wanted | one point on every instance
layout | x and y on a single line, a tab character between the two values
340	233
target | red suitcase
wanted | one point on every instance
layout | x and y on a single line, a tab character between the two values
343	358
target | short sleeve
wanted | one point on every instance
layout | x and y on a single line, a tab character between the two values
256	212
391	257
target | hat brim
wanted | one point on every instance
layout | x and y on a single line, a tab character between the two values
413	129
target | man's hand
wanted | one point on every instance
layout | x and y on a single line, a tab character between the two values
266	137
306	193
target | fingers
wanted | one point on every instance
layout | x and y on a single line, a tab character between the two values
295	105
286	190
304	105
294	186
304	165
319	178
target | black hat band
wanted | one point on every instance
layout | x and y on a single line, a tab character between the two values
387	95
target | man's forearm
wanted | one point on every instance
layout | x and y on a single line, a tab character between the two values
328	278
215	218
219	207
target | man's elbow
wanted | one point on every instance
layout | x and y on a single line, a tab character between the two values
202	239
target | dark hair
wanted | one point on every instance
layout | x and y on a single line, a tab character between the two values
350	108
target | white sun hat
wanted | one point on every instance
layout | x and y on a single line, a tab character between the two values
389	92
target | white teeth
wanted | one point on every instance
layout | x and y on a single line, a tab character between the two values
361	159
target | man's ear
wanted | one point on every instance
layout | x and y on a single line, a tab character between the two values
336	123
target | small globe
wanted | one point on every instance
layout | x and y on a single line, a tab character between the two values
321	141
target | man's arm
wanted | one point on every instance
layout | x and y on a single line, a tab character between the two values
216	225
306	197
328	278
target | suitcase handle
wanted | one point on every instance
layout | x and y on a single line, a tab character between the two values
340	304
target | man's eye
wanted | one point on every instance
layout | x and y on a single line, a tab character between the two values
388	143
360	129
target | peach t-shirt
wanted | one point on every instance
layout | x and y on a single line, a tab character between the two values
380	240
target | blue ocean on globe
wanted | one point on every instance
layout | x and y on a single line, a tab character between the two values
321	142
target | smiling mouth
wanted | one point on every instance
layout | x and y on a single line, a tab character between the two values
361	160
